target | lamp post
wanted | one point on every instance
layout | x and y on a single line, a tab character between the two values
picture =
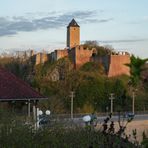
107	110
39	113
72	96
111	100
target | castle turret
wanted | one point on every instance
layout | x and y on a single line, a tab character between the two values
73	34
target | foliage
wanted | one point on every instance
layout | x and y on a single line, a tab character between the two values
17	134
91	91
92	88
17	66
144	143
136	67
101	50
93	67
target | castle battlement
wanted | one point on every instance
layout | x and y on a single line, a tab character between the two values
120	53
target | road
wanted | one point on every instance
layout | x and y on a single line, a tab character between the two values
100	119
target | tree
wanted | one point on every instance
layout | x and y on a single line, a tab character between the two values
93	67
91	43
136	68
101	50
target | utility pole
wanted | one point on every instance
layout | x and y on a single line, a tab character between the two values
72	96
133	102
111	102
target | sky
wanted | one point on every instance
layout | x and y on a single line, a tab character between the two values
42	24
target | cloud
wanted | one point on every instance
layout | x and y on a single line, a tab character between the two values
53	20
123	41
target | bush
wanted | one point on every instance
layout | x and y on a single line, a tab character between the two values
16	135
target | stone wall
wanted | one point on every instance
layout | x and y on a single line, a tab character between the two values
58	54
41	58
61	54
114	65
72	55
82	56
117	65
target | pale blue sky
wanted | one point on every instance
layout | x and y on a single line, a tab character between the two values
41	24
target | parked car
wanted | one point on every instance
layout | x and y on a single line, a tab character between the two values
129	115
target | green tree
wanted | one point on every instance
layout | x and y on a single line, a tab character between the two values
93	67
136	68
101	50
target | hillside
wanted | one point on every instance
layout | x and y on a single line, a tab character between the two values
91	86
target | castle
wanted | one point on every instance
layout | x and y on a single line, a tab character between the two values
114	63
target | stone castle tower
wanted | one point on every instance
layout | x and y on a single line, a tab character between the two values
73	34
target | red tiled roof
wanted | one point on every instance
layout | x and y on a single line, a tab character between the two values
13	88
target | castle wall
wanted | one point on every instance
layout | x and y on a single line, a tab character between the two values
71	56
52	56
61	53
105	60
116	65
41	58
57	54
82	56
37	59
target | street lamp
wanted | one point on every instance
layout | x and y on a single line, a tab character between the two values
47	112
72	96
111	100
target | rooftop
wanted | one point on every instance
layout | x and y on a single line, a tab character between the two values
73	23
13	88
